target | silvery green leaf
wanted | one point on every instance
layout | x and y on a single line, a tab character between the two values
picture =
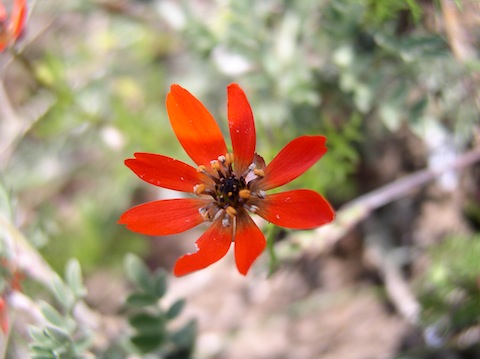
185	336
63	293
139	274
57	334
73	277
36	334
41	348
52	315
160	278
83	344
42	356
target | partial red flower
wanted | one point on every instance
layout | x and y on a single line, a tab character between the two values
3	316
227	185
11	28
13	279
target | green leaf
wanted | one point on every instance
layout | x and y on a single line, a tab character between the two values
148	323
5	206
270	236
64	353
139	274
185	336
160	278
418	108
175	309
147	343
42	356
46	345
141	299
52	315
59	335
73	277
63	293
36	334
39	349
83	343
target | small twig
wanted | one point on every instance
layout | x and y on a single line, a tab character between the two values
380	254
132	11
360	208
400	293
15	125
461	42
397	189
26	258
10	124
32	71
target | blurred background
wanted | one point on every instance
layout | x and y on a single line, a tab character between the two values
392	84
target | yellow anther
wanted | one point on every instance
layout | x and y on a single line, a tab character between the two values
202	169
232	212
259	173
229	159
215	165
199	189
244	193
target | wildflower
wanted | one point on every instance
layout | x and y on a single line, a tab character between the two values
11	29
3	316
227	185
12	278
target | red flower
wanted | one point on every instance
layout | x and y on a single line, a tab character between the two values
227	185
3	316
13	280
11	29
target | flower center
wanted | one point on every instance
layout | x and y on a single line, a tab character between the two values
229	193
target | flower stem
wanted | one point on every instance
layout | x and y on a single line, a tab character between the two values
270	236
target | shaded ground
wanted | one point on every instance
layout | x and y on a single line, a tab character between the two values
283	317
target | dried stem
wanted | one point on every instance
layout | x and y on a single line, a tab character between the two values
360	208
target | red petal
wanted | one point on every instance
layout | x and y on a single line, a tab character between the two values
249	243
164	217
165	172
3	13
19	13
3	18
212	246
293	160
242	128
299	209
3	316
194	126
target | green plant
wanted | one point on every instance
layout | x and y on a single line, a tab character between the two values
450	289
150	320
